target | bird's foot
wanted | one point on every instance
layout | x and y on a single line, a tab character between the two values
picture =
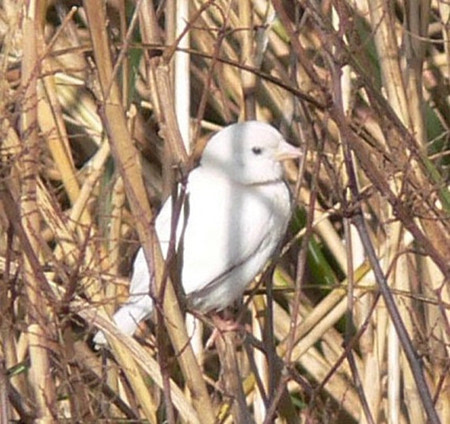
222	325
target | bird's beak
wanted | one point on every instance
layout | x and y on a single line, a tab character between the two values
287	151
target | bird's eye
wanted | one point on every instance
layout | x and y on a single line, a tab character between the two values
257	150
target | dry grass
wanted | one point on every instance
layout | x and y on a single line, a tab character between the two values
97	105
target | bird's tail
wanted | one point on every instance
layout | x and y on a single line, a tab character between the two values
128	317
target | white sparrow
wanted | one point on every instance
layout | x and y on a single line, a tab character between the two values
238	209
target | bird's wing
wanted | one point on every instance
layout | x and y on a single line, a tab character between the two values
226	225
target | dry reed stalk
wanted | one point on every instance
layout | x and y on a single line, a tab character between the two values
121	147
38	310
128	164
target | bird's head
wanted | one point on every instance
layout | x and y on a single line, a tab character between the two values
249	153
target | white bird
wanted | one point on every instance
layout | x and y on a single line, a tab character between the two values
238	209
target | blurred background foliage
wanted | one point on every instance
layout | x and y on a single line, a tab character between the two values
105	104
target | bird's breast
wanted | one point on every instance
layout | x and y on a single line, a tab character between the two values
229	238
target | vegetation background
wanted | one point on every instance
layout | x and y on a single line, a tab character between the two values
98	103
